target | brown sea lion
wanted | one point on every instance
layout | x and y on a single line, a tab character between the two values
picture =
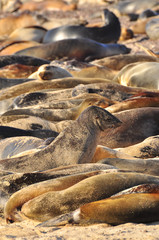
91	189
78	142
47	5
143	75
59	114
143	100
81	49
37	189
133	207
109	33
149	148
138	124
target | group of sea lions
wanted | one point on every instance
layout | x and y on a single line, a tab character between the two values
79	124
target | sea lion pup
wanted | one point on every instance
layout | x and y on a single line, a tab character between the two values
138	204
109	33
8	132
140	100
149	148
78	142
119	61
145	166
27	193
91	189
48	72
36	85
58	114
47	5
138	124
81	49
139	75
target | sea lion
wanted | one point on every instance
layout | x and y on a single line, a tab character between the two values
152	29
140	100
119	61
145	166
85	130
138	124
139	75
25	194
47	5
81	49
91	189
36	85
109	33
15	71
48	72
137	207
58	114
12	47
149	148
8	132
28	33
24	60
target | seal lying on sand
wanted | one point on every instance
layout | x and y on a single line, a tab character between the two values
81	49
109	33
138	204
91	189
71	146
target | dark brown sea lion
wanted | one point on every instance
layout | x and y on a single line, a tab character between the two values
78	142
91	189
7	132
82	49
24	60
109	33
138	124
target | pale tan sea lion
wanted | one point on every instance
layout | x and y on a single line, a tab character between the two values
119	61
12	47
143	75
37	189
49	72
145	166
138	124
59	114
91	189
149	148
78	142
37	85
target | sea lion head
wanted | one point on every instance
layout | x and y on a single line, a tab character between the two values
95	116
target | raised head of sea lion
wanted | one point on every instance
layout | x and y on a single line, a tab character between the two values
75	144
82	49
110	32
